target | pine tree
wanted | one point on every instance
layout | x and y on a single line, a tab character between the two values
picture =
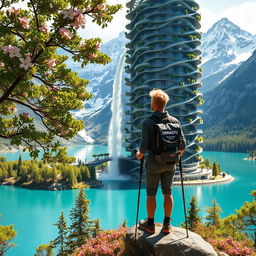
81	226
193	218
213	216
92	173
61	241
207	163
96	228
7	234
124	224
44	250
215	170
19	166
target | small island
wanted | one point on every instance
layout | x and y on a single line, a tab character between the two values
251	155
39	174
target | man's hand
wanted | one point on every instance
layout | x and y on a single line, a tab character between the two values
139	155
181	152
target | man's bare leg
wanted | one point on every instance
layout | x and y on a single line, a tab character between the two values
168	205
151	206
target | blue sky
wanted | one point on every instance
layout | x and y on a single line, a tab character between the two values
240	12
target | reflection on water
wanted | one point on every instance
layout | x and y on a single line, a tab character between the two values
120	185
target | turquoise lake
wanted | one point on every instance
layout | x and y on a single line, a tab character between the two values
33	212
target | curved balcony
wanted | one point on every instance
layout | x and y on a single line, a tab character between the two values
163	53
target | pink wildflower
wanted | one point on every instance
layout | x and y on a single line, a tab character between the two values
79	21
24	21
51	63
44	28
14	11
88	9
1	64
65	33
26	63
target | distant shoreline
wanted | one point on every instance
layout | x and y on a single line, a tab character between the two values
56	186
249	158
227	178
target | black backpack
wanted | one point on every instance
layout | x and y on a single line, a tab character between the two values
167	134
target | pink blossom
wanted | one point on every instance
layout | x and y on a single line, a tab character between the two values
26	63
79	21
65	33
14	52
71	13
1	64
24	21
25	115
100	6
64	132
13	109
93	56
97	45
7	49
88	9
14	11
68	14
44	28
51	63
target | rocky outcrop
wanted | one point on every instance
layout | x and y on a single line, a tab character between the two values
174	244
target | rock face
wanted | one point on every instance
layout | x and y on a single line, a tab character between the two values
174	244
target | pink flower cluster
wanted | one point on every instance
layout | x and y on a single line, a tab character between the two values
77	16
44	28
107	243
14	11
24	21
231	247
65	33
14	51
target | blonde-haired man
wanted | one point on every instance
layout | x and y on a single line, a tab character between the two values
155	171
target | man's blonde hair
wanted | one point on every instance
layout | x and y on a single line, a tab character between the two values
159	98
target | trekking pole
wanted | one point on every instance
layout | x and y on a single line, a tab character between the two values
138	200
183	196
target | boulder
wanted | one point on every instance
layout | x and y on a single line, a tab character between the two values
174	244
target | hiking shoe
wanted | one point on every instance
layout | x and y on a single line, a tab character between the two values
166	229
149	228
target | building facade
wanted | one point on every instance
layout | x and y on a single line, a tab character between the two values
164	52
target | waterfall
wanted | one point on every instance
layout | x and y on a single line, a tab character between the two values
115	134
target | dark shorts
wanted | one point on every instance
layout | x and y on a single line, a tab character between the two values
153	179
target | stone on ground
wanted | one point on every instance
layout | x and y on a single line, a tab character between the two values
174	244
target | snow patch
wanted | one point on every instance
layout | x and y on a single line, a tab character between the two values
85	136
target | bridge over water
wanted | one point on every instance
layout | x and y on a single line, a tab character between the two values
98	161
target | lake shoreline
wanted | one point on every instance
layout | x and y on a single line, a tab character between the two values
49	186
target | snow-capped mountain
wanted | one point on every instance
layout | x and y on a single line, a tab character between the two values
224	47
97	111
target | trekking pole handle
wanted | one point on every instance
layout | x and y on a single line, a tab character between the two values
135	152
